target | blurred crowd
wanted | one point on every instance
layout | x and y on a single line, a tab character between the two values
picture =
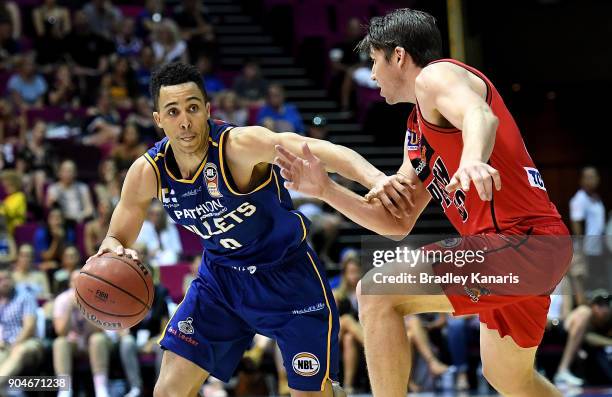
75	112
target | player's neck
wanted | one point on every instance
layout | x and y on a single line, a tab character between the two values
408	85
188	162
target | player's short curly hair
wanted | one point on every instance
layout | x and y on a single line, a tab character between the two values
175	73
413	30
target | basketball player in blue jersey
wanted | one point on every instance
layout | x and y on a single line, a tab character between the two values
257	275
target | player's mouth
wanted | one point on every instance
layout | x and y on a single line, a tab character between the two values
187	138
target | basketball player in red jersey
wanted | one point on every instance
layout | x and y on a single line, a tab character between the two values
461	144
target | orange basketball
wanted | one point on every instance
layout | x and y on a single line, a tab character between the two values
114	292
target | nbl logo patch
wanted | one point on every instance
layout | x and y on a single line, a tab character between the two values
305	364
212	180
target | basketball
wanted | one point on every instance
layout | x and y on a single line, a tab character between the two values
114	292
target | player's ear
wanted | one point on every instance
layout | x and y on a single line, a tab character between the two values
401	56
157	120
207	107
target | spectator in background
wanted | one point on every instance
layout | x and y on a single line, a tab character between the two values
212	83
36	161
103	122
250	85
277	115
168	46
150	16
64	90
128	44
108	187
9	47
27	279
13	123
87	50
318	128
95	229
148	131
120	83
598	336
344	59
196	28
70	194
144	70
129	147
195	267
8	249
160	236
77	336
51	24
9	10
51	238
143	337
18	345
568	326
71	261
14	206
351	332
229	109
103	17
460	330
27	87
588	219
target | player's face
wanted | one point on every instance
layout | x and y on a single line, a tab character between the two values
183	114
385	73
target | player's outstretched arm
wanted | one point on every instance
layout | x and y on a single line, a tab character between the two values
446	89
139	187
256	145
307	174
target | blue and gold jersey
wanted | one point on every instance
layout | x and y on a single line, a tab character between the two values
237	229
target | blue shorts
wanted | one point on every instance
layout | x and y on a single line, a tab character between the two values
290	302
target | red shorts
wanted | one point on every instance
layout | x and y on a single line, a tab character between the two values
510	288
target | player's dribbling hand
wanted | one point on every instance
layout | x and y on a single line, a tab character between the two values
395	193
481	174
111	244
305	175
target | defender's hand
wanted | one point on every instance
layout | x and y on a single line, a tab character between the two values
395	192
481	174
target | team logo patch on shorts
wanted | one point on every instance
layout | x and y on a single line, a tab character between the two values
449	242
476	292
212	180
305	364
185	326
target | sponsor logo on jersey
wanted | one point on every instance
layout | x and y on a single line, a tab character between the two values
412	140
251	269
192	192
310	309
534	178
305	364
186	327
212	180
169	198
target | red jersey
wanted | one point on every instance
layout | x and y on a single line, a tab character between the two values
435	153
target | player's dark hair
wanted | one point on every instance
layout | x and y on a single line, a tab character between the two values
174	74
413	30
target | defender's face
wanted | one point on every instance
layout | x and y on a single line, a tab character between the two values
385	73
183	114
